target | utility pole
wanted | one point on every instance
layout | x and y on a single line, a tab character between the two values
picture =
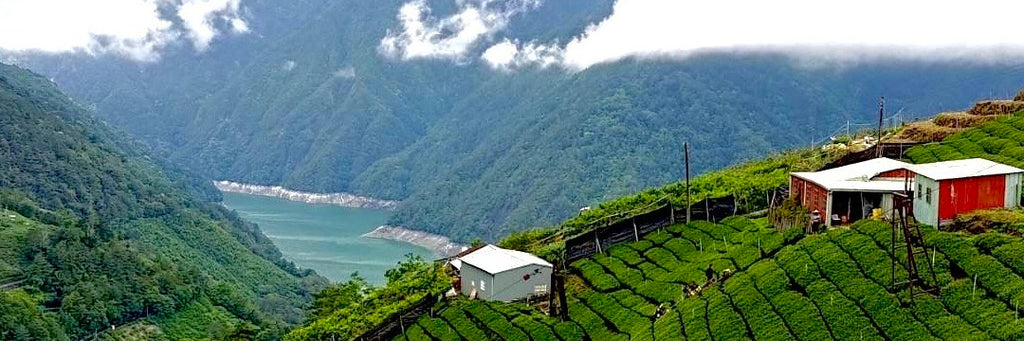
686	155
881	117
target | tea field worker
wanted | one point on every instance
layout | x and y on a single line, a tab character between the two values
662	309
692	289
710	272
726	274
815	221
867	209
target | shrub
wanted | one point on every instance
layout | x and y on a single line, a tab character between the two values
996	108
592	323
926	131
626	254
594	274
1000	220
665	259
456	317
642	245
438	328
536	330
724	322
760	316
960	120
569	331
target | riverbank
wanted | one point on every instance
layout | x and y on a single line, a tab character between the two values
439	245
340	199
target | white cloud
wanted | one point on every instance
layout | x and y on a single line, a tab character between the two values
198	18
424	36
132	28
833	30
508	55
288	65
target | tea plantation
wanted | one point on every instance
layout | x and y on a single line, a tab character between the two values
786	286
1001	141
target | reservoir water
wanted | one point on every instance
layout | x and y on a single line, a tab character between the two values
325	238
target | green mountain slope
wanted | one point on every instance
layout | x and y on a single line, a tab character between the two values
97	233
786	285
306	101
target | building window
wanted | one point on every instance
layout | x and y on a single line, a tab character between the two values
483	285
928	195
540	288
919	194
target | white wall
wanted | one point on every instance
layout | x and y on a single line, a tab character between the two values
1013	188
474	278
926	213
509	285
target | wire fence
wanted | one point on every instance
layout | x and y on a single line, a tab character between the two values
396	324
632	228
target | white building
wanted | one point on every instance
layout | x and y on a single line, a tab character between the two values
493	273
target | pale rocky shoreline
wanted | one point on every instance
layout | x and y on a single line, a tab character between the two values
340	199
440	245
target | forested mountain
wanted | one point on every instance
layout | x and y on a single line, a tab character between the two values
308	101
96	233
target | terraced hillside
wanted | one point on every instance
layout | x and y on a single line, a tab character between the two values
1001	140
786	286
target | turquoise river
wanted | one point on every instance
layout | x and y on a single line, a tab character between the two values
325	238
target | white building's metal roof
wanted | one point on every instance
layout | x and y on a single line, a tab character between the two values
858	177
960	169
495	260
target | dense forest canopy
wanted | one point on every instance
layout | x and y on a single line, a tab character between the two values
96	233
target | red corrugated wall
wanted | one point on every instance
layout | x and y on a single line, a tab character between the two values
809	194
897	174
959	196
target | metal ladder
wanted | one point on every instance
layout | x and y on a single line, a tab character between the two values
908	237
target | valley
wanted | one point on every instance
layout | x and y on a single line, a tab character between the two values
323	237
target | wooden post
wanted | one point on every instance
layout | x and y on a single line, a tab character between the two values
402	324
563	306
881	117
686	156
636	233
553	289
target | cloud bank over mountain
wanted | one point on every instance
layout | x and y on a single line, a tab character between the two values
423	35
136	29
846	30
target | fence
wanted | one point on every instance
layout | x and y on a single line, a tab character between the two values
396	324
892	150
631	229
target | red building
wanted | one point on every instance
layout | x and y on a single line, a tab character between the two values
947	189
850	193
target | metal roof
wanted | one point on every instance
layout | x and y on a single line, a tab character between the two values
960	169
495	260
858	177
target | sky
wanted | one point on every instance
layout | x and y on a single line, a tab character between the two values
136	29
978	30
